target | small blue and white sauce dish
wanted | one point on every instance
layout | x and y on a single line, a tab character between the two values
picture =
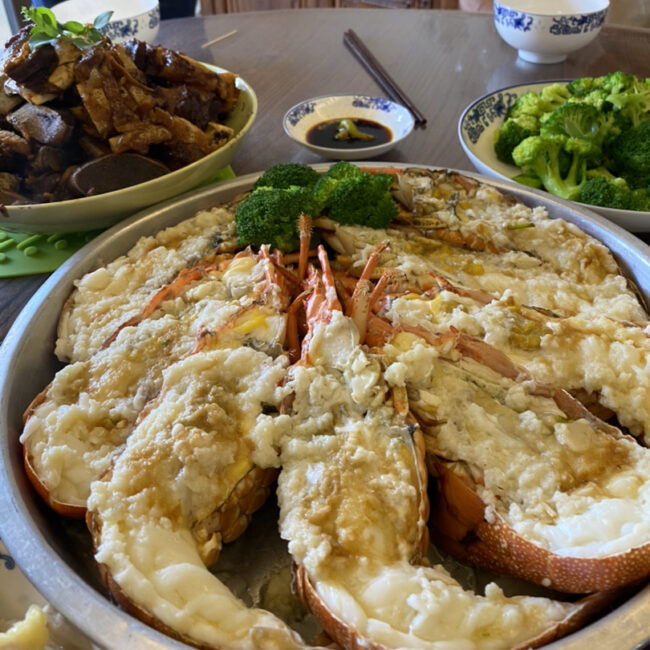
546	32
348	127
131	18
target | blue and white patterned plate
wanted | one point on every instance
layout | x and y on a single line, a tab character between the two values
299	119
477	129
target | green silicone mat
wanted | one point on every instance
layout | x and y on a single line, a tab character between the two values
28	254
25	254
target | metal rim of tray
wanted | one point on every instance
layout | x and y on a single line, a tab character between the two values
30	535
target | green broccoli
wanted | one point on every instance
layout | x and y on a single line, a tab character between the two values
528	180
574	121
513	131
616	82
269	215
344	169
351	196
554	95
630	155
623	94
541	156
599	190
532	103
364	201
592	122
582	86
326	183
633	105
285	175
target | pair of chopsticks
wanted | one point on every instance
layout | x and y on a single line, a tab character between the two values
379	74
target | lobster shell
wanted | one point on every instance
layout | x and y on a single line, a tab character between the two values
459	526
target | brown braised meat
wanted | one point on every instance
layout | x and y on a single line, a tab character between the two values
41	74
64	107
187	88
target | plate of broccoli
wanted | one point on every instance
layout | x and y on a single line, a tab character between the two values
584	140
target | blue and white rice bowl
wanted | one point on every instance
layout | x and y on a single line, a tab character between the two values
131	18
546	32
299	119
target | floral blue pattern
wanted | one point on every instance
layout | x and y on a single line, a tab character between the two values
524	22
128	28
299	112
376	103
359	101
518	20
485	112
578	24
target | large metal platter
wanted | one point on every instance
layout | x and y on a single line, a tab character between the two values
55	554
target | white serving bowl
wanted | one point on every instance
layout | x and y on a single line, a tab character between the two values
546	32
302	117
102	210
131	18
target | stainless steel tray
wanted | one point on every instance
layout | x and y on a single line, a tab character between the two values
55	554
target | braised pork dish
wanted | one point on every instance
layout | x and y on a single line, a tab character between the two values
78	122
420	367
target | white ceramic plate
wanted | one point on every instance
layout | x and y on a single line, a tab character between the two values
102	210
477	127
299	119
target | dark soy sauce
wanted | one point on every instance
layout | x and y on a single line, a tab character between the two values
323	134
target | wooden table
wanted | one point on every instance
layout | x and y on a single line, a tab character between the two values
442	59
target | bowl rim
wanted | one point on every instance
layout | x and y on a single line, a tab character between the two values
554	14
359	151
118	16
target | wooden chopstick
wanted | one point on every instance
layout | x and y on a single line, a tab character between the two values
379	74
219	38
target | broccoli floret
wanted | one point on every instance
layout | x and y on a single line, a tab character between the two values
270	215
363	201
513	131
599	190
630	155
532	103
632	104
540	156
573	121
615	82
344	169
640	200
285	175
624	94
555	94
326	183
351	196
582	86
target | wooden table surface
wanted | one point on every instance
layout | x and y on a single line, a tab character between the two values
442	59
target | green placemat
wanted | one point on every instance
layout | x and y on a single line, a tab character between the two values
28	254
